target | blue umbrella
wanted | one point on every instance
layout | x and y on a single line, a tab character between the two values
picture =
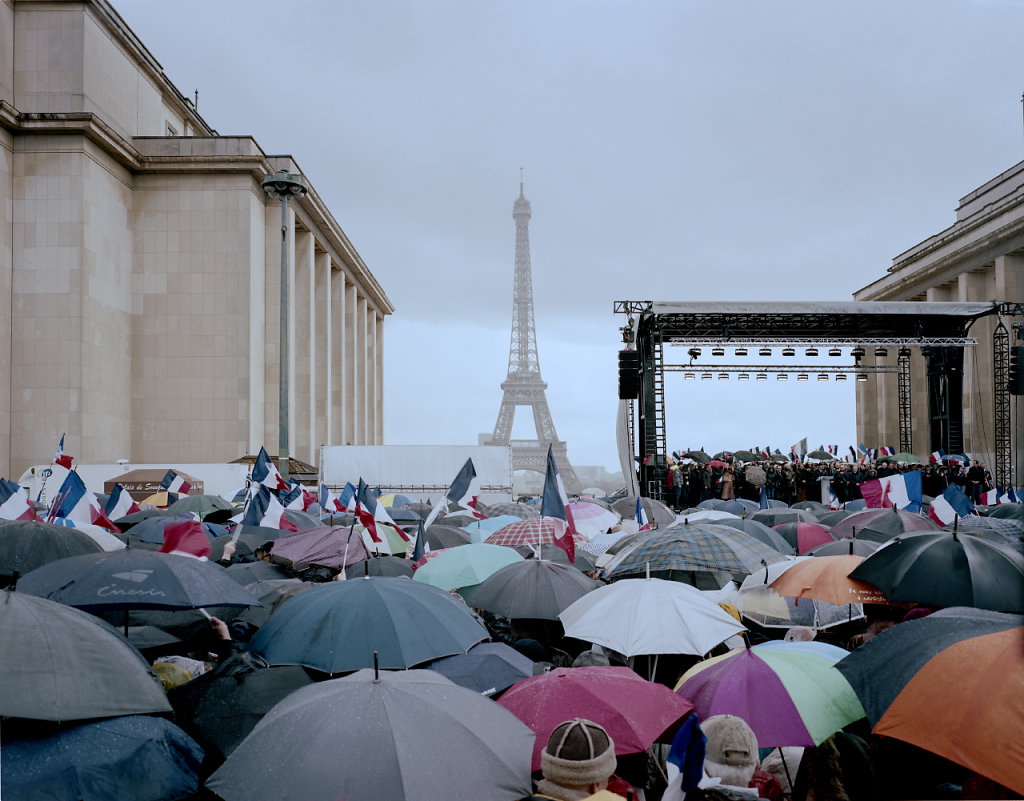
138	757
337	627
487	668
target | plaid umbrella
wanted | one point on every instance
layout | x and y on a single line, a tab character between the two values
694	547
520	510
526	532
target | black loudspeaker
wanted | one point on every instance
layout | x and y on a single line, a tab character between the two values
629	374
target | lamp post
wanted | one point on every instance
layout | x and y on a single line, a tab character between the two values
283	185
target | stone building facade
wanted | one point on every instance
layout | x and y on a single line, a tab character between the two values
980	258
140	267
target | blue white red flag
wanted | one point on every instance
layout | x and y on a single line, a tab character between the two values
763	500
291	497
684	765
990	497
465	489
554	505
1008	496
265	473
833	502
329	502
901	491
186	538
420	549
952	503
373	515
75	502
264	509
60	457
937	457
642	523
172	482
14	502
347	499
120	503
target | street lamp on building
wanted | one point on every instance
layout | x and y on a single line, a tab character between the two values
281	186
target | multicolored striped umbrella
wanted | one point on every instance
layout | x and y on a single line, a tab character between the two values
951	683
788	692
527	532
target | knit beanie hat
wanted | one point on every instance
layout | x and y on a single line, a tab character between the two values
731	753
579	752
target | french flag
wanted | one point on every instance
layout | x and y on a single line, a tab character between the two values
642	523
763	500
1008	496
264	509
936	457
347	499
296	497
554	505
901	491
120	503
265	473
833	502
172	482
990	498
60	457
75	502
14	502
373	515
329	501
465	489
952	503
186	538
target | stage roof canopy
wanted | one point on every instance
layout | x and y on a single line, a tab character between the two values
824	320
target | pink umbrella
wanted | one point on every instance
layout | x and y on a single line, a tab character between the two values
330	546
592	519
635	712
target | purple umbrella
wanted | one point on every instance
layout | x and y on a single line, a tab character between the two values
329	546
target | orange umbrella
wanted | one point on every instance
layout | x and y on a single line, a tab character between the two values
826	578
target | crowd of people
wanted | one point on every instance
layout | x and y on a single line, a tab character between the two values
687	482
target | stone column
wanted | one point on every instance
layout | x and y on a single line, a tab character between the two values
337	363
352	407
362	354
302	320
320	410
379	366
979	426
258	281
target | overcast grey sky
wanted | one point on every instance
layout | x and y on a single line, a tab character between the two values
676	150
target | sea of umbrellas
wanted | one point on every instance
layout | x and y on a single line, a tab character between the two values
319	664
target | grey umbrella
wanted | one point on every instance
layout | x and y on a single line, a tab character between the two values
520	510
657	512
530	589
404	736
759	531
62	664
439	537
28	544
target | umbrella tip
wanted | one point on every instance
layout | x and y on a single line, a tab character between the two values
376	667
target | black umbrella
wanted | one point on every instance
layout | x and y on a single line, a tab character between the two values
487	668
135	579
419	737
62	664
300	519
1013	511
248	572
944	568
530	589
776	516
128	521
152	528
380	566
28	544
884	527
697	456
829	517
221	707
137	757
440	537
857	547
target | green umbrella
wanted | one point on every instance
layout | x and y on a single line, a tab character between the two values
906	458
466	565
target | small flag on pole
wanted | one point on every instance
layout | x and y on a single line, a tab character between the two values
555	506
60	457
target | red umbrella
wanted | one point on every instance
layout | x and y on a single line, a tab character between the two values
804	536
635	712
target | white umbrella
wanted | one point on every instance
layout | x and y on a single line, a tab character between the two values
649	616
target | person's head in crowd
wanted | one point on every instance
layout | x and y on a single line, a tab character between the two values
577	761
731	752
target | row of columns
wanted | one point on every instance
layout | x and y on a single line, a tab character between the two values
335	349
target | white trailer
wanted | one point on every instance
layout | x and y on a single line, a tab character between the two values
420	471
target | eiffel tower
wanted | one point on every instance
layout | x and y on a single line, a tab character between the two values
524	386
